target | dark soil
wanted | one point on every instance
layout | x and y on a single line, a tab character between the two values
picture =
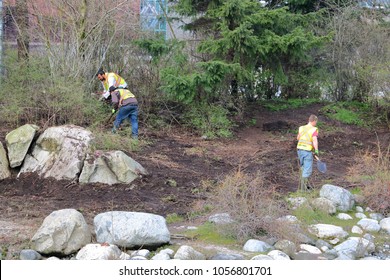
178	162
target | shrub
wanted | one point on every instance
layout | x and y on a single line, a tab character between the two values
30	94
210	120
253	204
372	171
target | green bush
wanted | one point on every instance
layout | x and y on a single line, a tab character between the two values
210	120
30	94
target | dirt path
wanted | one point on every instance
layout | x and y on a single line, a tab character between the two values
178	163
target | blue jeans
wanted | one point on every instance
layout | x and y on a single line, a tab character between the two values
306	162
130	112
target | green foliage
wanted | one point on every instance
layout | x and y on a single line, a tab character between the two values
348	112
210	120
209	232
308	216
281	104
248	37
30	94
174	218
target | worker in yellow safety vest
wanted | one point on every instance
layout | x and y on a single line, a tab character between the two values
108	80
126	104
307	144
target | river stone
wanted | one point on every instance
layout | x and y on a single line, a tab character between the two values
18	142
131	229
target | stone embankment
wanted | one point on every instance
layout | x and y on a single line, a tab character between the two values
64	234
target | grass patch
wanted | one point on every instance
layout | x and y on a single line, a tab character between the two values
309	216
352	113
210	233
276	105
174	218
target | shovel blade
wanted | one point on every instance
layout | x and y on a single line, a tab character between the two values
321	166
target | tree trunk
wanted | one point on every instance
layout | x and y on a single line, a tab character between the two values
22	23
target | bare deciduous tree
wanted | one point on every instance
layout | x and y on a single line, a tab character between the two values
79	35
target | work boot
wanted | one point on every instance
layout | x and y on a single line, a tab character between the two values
310	186
302	186
307	185
305	182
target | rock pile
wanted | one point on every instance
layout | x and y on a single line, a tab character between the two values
141	236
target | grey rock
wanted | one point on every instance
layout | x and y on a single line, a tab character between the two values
59	153
327	231
285	246
29	254
344	216
110	168
342	198
369	225
99	252
324	205
254	245
4	164
131	229
221	219
385	225
262	258
63	232
278	255
355	247
221	256
188	253
18	142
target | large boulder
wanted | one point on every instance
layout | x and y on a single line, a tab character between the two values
18	142
59	152
110	167
342	198
355	247
131	229
4	164
327	231
63	232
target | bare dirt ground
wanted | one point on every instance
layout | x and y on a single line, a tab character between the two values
178	162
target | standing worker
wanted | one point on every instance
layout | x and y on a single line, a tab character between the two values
110	79
127	105
307	144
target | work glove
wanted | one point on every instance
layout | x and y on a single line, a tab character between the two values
106	94
316	152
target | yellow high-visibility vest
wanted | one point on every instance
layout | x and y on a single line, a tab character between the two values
305	141
125	93
118	81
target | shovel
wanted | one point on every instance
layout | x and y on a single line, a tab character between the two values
321	166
